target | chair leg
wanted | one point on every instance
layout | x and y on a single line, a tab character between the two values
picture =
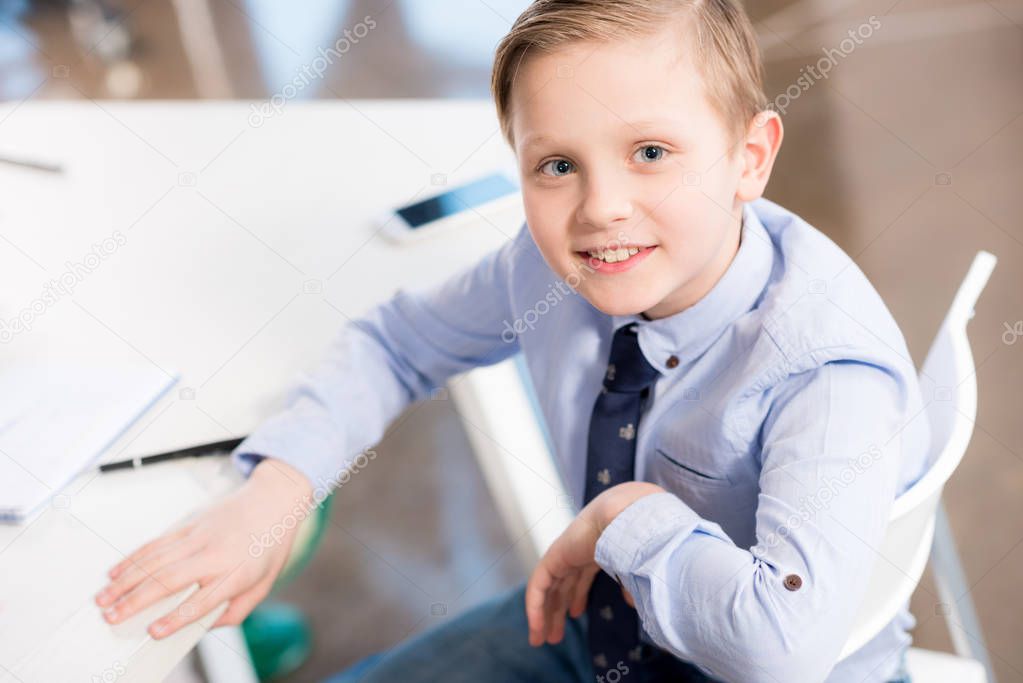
954	591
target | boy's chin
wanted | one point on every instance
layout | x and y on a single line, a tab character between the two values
617	304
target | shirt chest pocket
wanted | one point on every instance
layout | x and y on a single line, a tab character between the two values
710	477
687	468
696	451
694	458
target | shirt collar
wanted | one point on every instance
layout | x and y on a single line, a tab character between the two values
688	333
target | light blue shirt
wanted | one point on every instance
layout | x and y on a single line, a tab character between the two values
787	418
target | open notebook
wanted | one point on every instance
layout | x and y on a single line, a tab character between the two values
56	419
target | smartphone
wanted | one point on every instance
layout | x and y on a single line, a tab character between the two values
450	208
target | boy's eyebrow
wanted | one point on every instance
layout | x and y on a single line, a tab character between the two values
653	123
538	138
534	140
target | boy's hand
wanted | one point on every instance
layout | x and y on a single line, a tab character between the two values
214	549
561	580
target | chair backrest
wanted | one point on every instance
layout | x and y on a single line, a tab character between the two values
948	382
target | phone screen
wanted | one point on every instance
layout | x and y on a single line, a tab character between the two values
459	199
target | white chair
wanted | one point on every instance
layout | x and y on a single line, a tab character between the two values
507	433
948	381
505	428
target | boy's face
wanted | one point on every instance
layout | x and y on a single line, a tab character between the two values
618	146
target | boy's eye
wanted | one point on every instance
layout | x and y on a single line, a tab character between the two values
650	153
560	167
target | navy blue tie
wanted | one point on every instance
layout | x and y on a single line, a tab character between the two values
613	626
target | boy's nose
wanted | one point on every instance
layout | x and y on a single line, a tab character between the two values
605	205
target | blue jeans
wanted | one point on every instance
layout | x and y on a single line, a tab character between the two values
490	643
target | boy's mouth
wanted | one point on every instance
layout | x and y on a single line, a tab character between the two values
615	260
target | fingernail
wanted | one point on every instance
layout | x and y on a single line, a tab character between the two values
103	596
159	629
110	613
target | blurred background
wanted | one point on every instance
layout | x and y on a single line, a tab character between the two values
907	155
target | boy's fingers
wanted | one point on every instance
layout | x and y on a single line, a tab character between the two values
156	544
243	604
161	584
536	594
137	573
196	607
560	605
550	609
582	590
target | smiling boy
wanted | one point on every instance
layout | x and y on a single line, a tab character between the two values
731	405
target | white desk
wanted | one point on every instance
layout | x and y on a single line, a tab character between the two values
245	250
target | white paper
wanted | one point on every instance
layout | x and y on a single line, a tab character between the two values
57	419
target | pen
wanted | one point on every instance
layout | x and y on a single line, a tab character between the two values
190	452
28	163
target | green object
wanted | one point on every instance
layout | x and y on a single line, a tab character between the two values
306	543
277	634
278	637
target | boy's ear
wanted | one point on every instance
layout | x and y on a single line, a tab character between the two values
763	140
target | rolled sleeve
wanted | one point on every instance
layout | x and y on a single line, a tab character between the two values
648	521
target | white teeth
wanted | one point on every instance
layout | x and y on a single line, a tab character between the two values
613	255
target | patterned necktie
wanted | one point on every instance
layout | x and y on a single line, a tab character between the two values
610	460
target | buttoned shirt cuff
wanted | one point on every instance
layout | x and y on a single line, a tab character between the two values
651	519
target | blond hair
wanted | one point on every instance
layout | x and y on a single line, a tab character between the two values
726	49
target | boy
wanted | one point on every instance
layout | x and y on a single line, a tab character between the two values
731	404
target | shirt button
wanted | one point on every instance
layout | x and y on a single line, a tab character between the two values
672	362
793	582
